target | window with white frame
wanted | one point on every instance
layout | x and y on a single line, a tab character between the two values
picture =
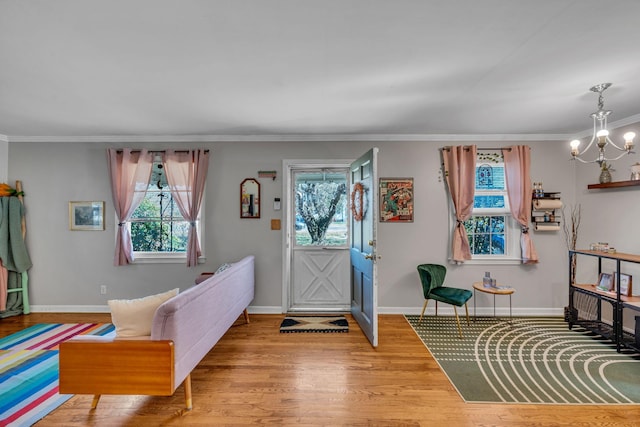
158	229
493	233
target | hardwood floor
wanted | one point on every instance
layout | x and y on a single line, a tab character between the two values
257	376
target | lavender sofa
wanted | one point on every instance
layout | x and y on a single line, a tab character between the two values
184	330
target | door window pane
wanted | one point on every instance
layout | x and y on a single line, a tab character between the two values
320	208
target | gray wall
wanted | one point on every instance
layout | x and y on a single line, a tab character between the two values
4	158
70	266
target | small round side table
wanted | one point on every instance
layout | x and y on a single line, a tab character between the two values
498	290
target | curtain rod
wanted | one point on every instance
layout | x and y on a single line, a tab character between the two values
480	149
160	151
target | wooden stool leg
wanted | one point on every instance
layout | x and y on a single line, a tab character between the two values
187	393
246	315
424	307
458	321
467	310
26	308
94	403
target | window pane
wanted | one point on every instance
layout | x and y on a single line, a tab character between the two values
489	177
497	244
497	224
481	244
321	208
486	234
482	224
159	236
156	224
488	201
486	228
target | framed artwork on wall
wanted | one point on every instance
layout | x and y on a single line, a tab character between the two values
396	199
86	216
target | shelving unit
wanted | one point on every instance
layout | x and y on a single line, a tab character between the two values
592	319
545	211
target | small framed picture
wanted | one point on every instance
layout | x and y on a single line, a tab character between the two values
625	284
86	216
605	282
396	199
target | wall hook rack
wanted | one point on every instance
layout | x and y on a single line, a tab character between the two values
268	174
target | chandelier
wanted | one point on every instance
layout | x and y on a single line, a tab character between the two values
601	134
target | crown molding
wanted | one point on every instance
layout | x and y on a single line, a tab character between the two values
317	137
290	138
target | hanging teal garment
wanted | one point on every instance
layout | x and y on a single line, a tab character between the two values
13	252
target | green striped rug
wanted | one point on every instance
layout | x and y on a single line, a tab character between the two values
530	360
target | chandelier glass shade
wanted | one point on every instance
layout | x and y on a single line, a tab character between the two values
601	135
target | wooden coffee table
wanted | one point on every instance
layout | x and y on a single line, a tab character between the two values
498	290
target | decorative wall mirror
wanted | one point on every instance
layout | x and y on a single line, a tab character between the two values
250	198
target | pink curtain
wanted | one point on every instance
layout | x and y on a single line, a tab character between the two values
517	162
130	172
460	173
186	175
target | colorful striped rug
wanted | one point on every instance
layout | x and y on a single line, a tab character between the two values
29	370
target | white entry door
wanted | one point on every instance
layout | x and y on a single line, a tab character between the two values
319	240
363	220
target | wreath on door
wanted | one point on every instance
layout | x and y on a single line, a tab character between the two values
358	201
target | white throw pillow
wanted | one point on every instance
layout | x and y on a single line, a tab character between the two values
133	317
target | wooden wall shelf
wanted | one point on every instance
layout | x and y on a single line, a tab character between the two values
617	184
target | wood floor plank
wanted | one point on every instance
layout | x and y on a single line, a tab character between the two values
258	376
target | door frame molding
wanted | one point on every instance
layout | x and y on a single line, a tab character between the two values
288	165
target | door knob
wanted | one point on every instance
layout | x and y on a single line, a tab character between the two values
368	256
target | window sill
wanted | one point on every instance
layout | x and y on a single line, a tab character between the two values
501	261
150	258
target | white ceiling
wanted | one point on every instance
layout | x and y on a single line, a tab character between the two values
72	68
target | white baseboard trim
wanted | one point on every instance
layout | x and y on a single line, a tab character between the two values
70	309
105	309
447	310
264	309
444	310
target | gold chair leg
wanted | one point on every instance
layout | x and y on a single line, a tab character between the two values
458	321
467	310
424	307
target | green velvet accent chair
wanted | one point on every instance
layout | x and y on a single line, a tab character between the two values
432	278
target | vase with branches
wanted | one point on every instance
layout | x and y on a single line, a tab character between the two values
571	226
